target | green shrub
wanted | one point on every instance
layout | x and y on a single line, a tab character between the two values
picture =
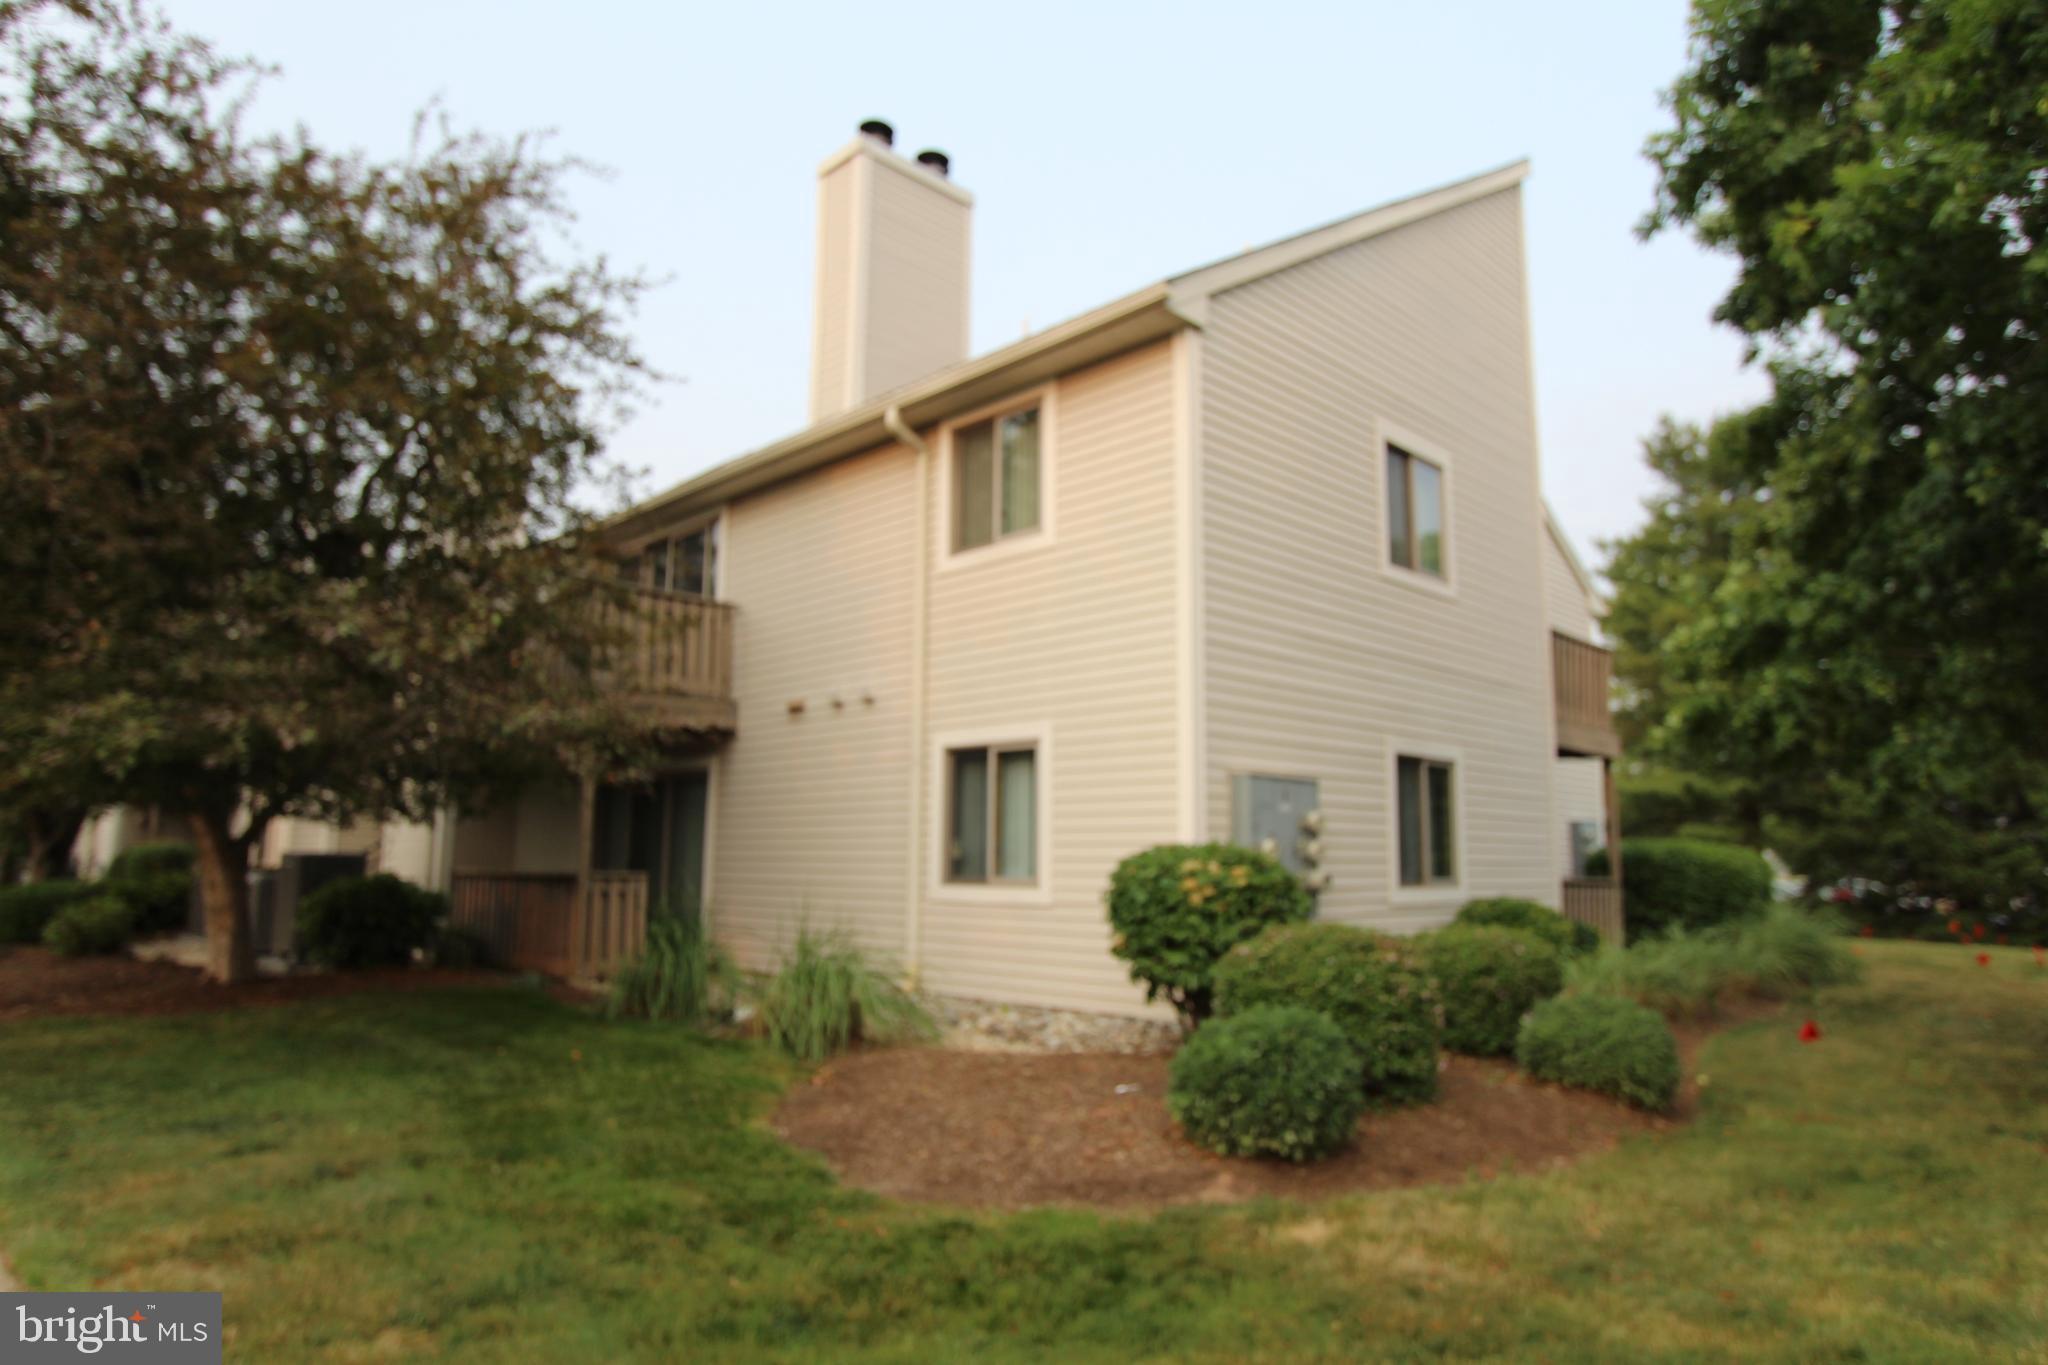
1777	952
1278	1080
1786	950
26	910
161	898
1373	988
1178	908
375	921
101	924
157	856
680	974
459	948
1603	1044
1487	979
827	994
1531	917
1686	883
1678	974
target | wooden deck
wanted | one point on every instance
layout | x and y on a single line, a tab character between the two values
676	660
1582	677
530	921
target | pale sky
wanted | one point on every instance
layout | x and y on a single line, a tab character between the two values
1108	145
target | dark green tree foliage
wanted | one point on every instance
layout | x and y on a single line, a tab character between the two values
291	447
1372	986
1277	1081
1178	908
1872	652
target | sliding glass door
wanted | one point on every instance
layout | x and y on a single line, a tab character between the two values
657	828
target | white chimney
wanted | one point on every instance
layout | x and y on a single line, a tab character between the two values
891	302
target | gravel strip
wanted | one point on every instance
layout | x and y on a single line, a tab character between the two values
987	1026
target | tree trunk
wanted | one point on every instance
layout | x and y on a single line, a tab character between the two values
224	896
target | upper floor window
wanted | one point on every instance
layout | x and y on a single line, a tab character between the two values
1415	512
996	478
687	563
1423	796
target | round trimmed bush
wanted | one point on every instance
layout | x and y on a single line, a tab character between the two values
102	924
1531	917
26	910
1487	979
368	921
1686	883
161	898
1178	908
162	855
1275	1081
1602	1043
1372	987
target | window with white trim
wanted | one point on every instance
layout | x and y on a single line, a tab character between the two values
1423	798
998	477
687	563
1415	512
992	814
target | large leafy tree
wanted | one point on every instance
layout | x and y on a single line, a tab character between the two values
1875	167
291	453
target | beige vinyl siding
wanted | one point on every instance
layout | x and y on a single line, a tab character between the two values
1564	596
813	808
1072	636
1077	636
534	832
916	309
1320	661
833	350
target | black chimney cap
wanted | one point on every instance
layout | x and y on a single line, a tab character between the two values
880	132
935	161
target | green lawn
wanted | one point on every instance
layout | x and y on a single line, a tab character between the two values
493	1176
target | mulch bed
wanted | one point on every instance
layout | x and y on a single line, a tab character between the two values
37	983
1007	1130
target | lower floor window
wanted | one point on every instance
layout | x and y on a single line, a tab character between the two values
1423	793
992	801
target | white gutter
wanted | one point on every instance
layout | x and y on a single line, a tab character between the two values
913	872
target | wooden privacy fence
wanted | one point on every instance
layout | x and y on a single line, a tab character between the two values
614	927
529	921
1595	901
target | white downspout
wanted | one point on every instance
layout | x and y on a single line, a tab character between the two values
913	897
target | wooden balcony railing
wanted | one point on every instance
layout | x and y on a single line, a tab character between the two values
1582	677
677	657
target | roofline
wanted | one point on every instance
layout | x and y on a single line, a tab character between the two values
1151	313
1243	268
1594	597
1110	330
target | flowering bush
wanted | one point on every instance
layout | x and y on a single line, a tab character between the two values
1178	908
